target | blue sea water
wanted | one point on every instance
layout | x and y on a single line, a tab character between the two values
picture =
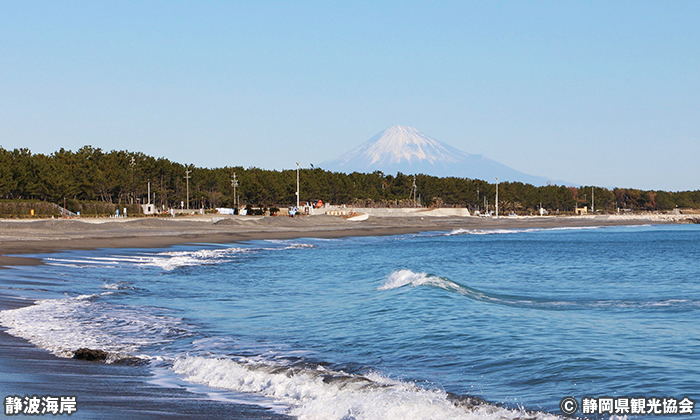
395	327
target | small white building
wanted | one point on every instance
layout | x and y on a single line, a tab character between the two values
148	208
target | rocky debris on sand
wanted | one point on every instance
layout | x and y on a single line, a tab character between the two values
90	354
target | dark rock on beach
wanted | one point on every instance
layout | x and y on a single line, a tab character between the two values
90	354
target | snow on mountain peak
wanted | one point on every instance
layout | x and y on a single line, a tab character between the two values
407	150
402	144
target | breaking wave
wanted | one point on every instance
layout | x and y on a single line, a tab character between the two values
462	231
64	325
403	278
407	277
169	260
319	393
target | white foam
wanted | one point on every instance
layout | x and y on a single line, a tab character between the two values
299	246
89	261
171	260
319	394
168	261
65	325
65	265
482	232
117	286
462	231
407	277
289	245
402	278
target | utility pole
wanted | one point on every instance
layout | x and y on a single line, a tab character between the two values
149	191
415	189
297	186
234	183
496	197
593	200
187	177
132	163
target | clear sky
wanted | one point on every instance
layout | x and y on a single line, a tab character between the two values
604	93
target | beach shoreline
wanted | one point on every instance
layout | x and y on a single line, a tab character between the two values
22	237
103	390
106	391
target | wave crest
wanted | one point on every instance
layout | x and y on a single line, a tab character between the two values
172	260
462	231
62	326
323	394
402	278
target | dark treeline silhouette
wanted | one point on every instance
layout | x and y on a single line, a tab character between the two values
121	177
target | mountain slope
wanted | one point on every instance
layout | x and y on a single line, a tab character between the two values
407	150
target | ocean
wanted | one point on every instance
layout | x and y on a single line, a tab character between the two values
467	324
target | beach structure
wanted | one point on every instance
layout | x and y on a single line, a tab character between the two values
148	208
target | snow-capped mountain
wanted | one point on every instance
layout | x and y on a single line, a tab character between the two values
407	150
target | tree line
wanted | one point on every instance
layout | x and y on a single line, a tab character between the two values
122	177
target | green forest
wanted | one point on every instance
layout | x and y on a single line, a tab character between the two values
91	175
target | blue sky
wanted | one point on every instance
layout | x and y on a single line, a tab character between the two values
604	93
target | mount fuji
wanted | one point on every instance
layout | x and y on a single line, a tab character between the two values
407	150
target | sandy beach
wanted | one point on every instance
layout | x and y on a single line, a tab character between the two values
18	237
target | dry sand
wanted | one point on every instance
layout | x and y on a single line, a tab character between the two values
19	237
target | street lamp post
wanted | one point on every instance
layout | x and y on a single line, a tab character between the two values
234	182
496	197
297	186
